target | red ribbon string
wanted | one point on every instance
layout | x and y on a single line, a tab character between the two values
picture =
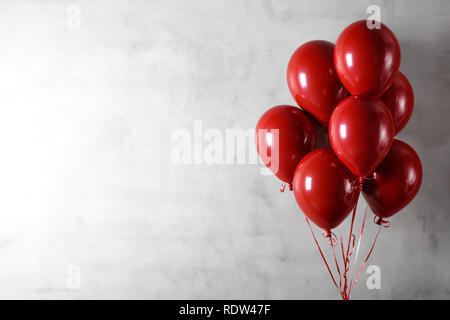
337	267
359	244
332	239
346	256
345	286
283	186
367	258
321	253
380	221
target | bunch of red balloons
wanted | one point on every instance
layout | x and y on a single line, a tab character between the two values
354	89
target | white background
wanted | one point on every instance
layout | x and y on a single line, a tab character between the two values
89	193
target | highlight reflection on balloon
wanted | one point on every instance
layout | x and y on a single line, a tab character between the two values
361	133
313	81
323	188
395	182
399	99
366	60
295	137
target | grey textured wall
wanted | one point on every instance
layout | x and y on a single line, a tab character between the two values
92	204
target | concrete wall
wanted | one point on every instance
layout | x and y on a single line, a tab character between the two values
92	204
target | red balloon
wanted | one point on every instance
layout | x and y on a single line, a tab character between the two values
313	81
399	99
366	59
284	135
324	188
361	133
395	182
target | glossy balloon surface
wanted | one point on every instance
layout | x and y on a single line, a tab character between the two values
313	81
399	99
395	182
284	135
366	60
361	133
324	188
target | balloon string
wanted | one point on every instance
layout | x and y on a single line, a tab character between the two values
332	239
337	268
342	250
343	294
367	258
283	186
359	244
351	228
381	222
346	256
345	287
321	253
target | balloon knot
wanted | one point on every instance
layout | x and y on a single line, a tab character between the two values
283	186
332	239
381	222
361	181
